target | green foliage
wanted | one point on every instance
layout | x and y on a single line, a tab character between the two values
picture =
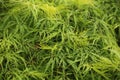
59	40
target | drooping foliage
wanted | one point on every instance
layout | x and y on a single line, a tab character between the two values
59	40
